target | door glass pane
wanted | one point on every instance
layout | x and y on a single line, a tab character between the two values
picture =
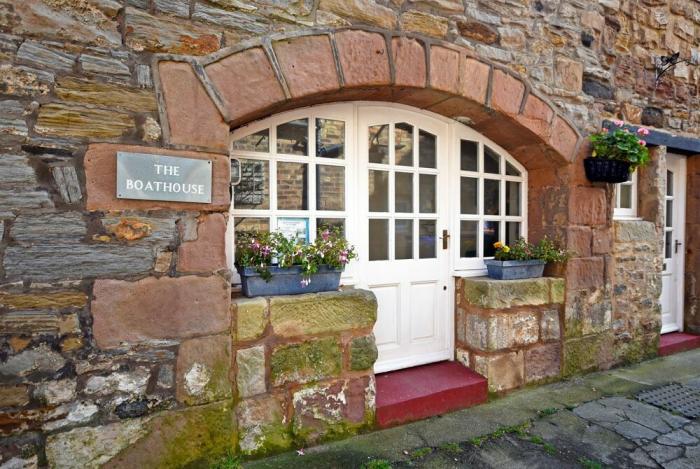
403	144
292	184
512	198
378	240
330	187
427	239
379	144
378	191
330	138
512	231
292	137
259	141
667	245
403	239
491	235
403	188
427	193
492	200
253	192
511	170
468	238
469	155
669	183
427	149
331	224
247	224
469	196
492	161
625	195
669	213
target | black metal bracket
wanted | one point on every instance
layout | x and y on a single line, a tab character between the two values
665	63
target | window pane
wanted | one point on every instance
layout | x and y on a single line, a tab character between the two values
625	195
512	231
427	149
492	200
469	155
292	184
492	161
469	196
378	240
247	224
259	141
512	198
331	224
427	239
491	235
427	193
669	213
330	138
403	239
378	191
403	188
403	144
669	183
254	190
330	187
667	245
468	238
292	137
379	144
511	170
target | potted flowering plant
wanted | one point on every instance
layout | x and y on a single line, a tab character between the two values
523	259
616	152
271	264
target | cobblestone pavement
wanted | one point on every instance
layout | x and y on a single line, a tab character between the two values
590	422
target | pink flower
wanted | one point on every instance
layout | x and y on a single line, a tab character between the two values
618	122
605	130
305	281
325	235
643	131
643	143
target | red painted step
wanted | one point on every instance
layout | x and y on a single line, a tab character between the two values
424	391
677	342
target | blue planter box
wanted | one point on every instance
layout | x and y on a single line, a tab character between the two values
513	270
288	281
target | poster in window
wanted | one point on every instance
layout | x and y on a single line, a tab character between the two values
294	228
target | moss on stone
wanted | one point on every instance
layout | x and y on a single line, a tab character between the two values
250	317
306	361
637	350
586	354
363	353
489	293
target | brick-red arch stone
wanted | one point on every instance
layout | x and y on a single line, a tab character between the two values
201	99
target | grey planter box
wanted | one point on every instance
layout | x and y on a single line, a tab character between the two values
513	270
287	281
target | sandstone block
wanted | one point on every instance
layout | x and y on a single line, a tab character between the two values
250	316
14	395
513	329
582	273
165	308
70	120
444	69
363	353
307	64
542	361
43	57
262	426
550	328
507	93
101	65
564	138
424	23
587	354
322	312
504	371
106	95
208	252
366	11
364	58
474	79
568	74
537	116
305	361
251	371
634	231
588	206
203	369
488	293
409	62
130	382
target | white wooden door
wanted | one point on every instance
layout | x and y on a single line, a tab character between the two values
403	189
674	248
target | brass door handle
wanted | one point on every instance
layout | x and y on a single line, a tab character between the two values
445	239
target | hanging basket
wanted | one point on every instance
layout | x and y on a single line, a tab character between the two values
602	170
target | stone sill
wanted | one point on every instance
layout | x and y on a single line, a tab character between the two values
485	292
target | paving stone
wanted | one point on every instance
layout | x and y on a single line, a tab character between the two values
634	431
641	458
693	429
677	438
599	414
661	453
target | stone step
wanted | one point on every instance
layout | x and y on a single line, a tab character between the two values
677	342
425	391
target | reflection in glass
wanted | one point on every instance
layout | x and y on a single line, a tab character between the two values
403	189
292	186
259	141
492	200
379	144
511	170
469	155
427	193
667	245
293	137
403	239
669	183
491	235
247	224
330	138
468	238
492	161
331	224
378	240
512	198
669	213
427	239
512	231
469	196
330	187
625	195
427	149
378	191
403	144
253	192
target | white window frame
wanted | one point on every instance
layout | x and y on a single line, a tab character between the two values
627	213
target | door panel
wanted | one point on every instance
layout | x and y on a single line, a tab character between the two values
403	176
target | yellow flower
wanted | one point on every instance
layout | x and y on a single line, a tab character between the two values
506	249
498	245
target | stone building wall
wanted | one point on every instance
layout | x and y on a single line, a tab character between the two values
692	248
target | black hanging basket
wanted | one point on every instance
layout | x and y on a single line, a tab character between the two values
602	170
